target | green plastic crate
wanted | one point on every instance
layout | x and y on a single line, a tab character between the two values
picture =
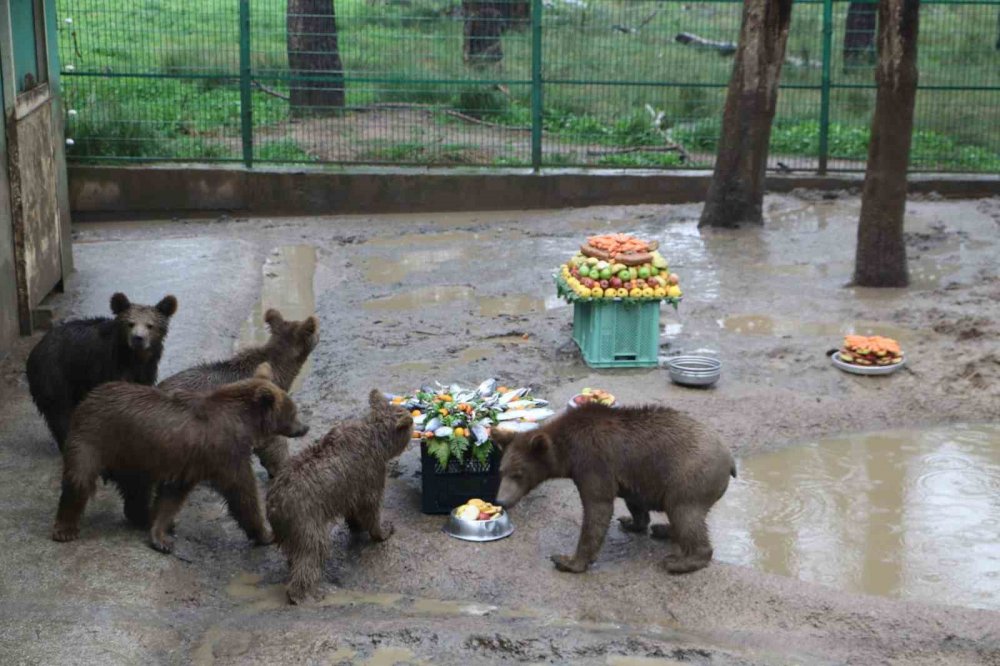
615	334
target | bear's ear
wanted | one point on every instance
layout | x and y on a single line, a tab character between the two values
168	306
273	319
376	400
404	422
539	442
502	437
310	326
264	397
264	371
119	303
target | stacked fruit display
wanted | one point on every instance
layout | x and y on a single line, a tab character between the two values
454	423
870	350
618	266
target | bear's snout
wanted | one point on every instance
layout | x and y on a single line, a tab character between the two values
509	493
298	430
139	342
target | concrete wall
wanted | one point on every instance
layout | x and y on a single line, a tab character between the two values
163	190
8	291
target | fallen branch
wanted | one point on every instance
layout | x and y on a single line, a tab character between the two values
271	91
674	148
690	39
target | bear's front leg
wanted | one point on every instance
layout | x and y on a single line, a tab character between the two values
169	500
598	508
369	519
243	499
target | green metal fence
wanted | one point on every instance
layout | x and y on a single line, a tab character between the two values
540	83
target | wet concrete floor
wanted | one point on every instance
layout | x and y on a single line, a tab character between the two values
404	300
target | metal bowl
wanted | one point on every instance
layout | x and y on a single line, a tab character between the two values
694	370
479	530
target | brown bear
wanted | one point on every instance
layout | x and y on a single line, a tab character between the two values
144	435
286	351
342	476
655	458
78	355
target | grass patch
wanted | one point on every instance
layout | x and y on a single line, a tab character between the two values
410	52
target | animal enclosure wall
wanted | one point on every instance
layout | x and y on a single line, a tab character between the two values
542	83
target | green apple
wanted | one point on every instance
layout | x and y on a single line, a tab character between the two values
653	270
592	261
625	275
644	272
606	273
585	270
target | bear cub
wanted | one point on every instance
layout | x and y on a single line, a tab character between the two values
342	476
143	436
286	350
78	355
655	458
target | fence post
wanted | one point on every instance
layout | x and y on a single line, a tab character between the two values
824	95
246	85
536	85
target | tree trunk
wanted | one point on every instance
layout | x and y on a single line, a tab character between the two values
859	33
484	24
881	252
313	52
736	194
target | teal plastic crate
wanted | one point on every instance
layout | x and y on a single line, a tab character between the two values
615	334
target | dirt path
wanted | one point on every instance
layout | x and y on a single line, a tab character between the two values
408	299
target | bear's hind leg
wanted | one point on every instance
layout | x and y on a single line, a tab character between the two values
306	549
639	522
369	519
79	481
690	547
170	498
137	491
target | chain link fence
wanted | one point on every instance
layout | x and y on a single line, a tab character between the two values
540	83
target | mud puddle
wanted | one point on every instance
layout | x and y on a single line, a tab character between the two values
420	298
756	324
287	284
913	514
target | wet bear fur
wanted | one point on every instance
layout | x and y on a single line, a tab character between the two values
286	350
143	437
655	458
79	355
342	476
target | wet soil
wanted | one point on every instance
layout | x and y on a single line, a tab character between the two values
407	299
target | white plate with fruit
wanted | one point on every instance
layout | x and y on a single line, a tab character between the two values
869	355
477	520
592	396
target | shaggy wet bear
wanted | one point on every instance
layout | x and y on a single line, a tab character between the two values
342	476
74	357
175	440
655	458
286	350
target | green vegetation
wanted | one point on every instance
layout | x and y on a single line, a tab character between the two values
407	56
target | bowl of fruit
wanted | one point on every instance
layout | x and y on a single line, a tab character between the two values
592	396
869	355
477	520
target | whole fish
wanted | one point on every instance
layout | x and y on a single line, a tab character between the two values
510	396
533	414
487	388
433	424
443	431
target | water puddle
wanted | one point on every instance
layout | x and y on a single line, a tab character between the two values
420	298
439	607
754	324
287	284
412	366
492	306
389	656
473	354
641	661
386	270
913	514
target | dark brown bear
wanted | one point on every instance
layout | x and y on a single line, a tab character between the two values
76	356
655	458
142	434
342	476
286	351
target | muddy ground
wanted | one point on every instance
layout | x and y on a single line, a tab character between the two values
460	297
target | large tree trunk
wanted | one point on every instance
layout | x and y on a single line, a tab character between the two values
484	24
859	32
736	194
881	252
313	52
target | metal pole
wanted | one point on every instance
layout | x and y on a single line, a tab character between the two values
824	96
246	85
536	85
